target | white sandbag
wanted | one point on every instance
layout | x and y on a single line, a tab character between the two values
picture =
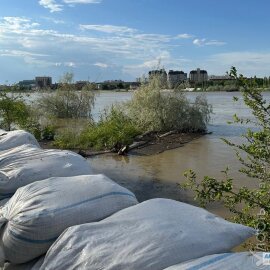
26	164
152	235
33	265
225	261
16	138
39	212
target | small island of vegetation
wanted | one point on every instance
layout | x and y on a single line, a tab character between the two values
151	117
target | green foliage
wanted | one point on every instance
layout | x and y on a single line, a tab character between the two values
67	138
66	102
249	206
13	110
155	110
48	132
114	130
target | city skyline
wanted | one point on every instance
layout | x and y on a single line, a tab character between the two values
123	39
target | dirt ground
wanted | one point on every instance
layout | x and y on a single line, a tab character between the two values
158	144
151	144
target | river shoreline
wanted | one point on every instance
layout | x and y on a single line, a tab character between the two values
148	144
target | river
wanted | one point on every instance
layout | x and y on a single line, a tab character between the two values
158	175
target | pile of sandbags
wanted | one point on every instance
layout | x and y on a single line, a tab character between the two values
82	220
25	164
11	139
39	212
152	235
226	261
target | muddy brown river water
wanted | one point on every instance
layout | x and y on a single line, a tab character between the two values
158	175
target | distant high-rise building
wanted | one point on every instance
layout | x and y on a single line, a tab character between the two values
27	84
160	73
198	76
42	82
175	78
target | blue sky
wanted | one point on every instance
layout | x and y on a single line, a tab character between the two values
123	39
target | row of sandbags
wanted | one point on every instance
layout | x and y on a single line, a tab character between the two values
39	212
54	190
157	234
90	222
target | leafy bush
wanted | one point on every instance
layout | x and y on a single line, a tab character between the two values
67	138
66	102
48	132
114	130
250	207
13	110
155	110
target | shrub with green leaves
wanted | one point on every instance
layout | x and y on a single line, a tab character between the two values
250	207
152	109
13	110
114	130
66	102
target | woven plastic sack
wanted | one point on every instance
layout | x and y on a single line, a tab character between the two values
39	212
226	261
11	139
152	235
26	164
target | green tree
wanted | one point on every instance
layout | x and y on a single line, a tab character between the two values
13	110
249	206
66	102
154	110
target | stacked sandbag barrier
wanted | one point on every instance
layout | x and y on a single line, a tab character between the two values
25	164
11	139
39	212
81	218
152	235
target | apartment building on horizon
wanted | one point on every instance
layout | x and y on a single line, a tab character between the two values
198	76
175	78
43	81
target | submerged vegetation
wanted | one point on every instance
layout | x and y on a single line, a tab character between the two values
65	102
150	109
154	110
249	206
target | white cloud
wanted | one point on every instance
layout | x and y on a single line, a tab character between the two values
125	47
205	42
107	28
70	64
215	42
18	23
153	37
19	53
82	1
248	63
163	59
184	36
56	21
51	5
130	52
101	65
199	42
